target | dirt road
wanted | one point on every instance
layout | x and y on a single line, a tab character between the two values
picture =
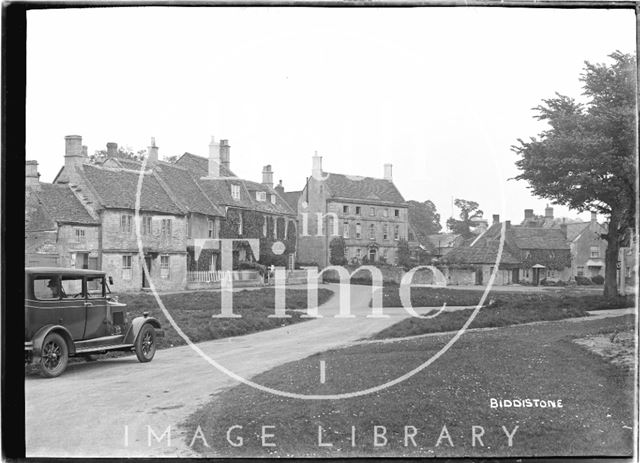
106	408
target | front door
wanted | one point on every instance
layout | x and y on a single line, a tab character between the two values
73	306
372	255
536	276
145	282
479	276
515	277
96	308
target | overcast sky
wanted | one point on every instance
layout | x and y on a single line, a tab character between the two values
442	94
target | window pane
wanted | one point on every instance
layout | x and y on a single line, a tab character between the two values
71	286
46	288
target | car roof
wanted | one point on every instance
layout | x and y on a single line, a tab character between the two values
63	271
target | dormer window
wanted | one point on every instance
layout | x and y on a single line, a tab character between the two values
261	196
273	199
235	191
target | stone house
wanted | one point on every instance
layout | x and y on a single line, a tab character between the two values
59	230
587	247
369	213
530	255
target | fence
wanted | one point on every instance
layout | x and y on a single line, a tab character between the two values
204	278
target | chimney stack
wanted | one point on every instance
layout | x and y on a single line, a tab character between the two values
388	169
496	218
316	170
152	152
112	150
508	224
594	217
528	214
280	188
72	154
214	158
225	155
548	212
85	151
563	229
267	176
32	177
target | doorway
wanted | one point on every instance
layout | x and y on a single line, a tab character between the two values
145	282
372	255
515	276
479	276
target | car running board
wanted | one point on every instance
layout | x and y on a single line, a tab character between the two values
87	350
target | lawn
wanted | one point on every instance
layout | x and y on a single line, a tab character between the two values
193	312
536	362
435	297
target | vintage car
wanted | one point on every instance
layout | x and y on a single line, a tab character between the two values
70	313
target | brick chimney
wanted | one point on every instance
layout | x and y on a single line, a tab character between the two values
388	172
316	170
32	177
225	154
528	214
548	212
496	219
152	152
267	176
279	188
112	150
214	159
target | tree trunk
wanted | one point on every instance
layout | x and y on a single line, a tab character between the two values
611	261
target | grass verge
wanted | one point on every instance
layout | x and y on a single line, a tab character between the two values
193	312
520	362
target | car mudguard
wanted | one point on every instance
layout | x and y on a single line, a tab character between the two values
38	340
136	325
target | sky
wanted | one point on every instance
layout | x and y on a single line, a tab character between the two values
440	93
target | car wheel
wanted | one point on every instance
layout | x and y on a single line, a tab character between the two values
54	356
146	343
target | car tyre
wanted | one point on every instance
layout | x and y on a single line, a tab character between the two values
146	343
54	356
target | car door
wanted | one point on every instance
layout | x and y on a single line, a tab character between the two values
97	306
42	306
73	306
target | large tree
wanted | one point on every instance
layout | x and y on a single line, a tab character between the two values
586	158
424	218
468	212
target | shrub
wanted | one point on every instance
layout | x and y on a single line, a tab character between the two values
583	281
336	251
597	279
252	266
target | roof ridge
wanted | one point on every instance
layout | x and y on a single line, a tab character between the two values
169	192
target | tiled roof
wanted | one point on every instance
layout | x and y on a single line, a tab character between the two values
62	206
200	165
539	238
486	253
367	189
291	197
35	216
280	207
574	229
116	189
218	190
443	240
185	189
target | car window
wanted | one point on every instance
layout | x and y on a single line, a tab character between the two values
95	287
46	288
71	286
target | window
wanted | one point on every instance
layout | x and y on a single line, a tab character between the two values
166	227
345	209
126	267
79	234
580	271
372	232
330	225
211	228
357	210
235	191
146	225
47	288
385	212
345	231
273	199
411	237
261	196
385	231
372	211
125	223
396	232
95	287
275	227
595	251
240	222
358	230
358	251
164	267
397	212
264	226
